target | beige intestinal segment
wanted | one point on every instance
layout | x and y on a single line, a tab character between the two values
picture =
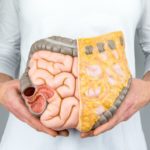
103	73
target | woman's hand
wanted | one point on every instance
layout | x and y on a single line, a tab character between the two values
137	97
10	98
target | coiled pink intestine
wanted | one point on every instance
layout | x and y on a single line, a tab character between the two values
58	73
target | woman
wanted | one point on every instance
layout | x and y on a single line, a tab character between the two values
22	22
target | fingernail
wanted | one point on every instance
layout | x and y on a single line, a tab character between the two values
95	134
64	133
87	136
82	136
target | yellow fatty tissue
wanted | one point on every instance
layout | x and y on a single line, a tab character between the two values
103	79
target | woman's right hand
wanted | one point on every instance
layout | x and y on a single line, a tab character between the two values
10	98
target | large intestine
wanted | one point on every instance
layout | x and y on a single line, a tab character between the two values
58	74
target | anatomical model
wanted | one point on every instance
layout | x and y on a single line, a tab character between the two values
78	83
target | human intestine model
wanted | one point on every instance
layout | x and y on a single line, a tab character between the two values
76	83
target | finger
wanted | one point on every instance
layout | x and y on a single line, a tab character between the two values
110	124
23	112
129	113
124	109
32	121
86	134
16	106
16	84
17	116
63	133
107	126
91	133
36	124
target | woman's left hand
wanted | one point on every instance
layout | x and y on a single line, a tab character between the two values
137	97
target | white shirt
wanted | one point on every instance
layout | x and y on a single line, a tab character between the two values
22	22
